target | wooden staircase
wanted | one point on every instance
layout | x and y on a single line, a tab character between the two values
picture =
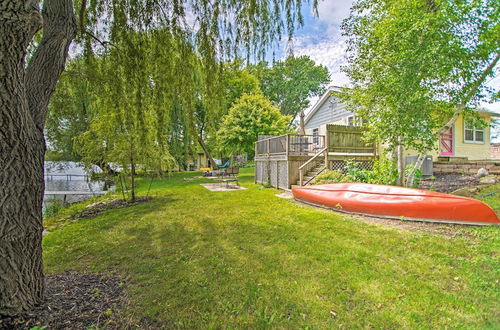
314	166
312	173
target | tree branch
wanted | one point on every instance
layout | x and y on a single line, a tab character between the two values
470	94
47	64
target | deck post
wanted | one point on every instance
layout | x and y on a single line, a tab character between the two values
326	151
287	145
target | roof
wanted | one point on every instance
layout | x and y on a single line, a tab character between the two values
321	101
488	112
331	89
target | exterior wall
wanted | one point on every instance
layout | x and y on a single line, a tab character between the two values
473	151
331	111
321	130
201	161
495	151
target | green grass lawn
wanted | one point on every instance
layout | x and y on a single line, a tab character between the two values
201	259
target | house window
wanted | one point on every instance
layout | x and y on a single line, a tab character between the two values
473	133
315	136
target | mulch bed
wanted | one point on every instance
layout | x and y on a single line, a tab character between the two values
73	301
93	210
449	182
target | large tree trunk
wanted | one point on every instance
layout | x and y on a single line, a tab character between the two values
24	96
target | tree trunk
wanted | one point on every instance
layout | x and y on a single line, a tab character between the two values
401	164
410	180
106	169
461	107
207	153
24	96
132	179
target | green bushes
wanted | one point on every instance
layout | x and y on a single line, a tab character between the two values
333	176
383	172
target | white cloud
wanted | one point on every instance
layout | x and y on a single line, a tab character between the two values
329	52
332	12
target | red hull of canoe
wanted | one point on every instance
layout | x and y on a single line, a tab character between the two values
398	202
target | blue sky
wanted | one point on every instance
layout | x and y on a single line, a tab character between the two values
321	39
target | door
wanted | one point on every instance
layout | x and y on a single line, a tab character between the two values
446	144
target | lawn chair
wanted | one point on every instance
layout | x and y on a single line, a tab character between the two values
232	171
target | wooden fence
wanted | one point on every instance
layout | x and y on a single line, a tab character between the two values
348	139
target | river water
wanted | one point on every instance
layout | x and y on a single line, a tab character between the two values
69	176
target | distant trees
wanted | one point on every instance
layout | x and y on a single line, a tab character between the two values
249	117
291	82
416	65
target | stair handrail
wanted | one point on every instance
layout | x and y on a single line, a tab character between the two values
301	168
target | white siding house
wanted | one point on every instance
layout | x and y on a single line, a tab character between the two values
328	110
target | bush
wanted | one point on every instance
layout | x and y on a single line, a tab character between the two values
52	207
383	172
357	174
333	176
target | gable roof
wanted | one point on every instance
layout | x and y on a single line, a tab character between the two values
321	101
486	111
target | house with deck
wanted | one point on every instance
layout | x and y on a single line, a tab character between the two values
333	134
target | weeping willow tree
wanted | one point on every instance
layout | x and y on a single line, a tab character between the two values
215	30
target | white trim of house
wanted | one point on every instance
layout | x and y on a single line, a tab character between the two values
321	101
474	130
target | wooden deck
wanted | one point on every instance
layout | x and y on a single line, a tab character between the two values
281	160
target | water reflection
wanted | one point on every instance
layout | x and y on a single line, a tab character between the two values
70	177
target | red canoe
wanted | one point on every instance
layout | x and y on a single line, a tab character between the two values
397	202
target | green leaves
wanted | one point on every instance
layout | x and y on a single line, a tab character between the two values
412	62
250	116
290	83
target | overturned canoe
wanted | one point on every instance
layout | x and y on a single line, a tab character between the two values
397	202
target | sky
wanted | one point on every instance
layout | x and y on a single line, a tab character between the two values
321	39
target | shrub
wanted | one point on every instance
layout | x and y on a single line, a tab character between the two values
357	174
384	171
333	176
52	207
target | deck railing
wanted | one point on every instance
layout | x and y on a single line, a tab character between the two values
290	144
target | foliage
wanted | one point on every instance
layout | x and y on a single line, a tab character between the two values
352	168
415	63
52	207
333	176
294	265
383	171
250	116
235	81
292	82
131	115
70	108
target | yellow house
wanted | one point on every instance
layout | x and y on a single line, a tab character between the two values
462	141
466	141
